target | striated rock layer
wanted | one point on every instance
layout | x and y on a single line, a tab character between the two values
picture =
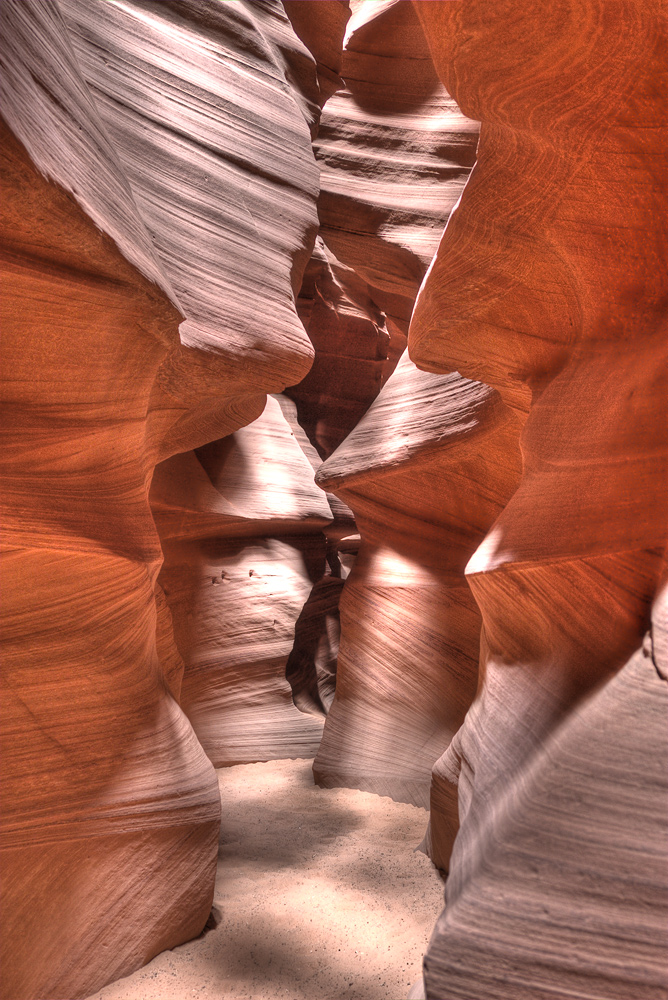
354	351
561	880
91	733
498	653
414	472
241	524
549	285
395	152
228	199
157	172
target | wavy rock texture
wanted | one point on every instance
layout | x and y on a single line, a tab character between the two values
157	165
241	524
159	213
354	352
413	471
555	872
311	666
563	889
232	179
321	25
91	734
395	153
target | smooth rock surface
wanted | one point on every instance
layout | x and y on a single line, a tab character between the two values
415	471
101	772
199	92
159	209
395	152
159	212
354	351
556	296
563	884
241	524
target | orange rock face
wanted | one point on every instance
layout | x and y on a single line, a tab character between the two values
241	524
172	571
395	152
134	328
354	351
566	577
407	671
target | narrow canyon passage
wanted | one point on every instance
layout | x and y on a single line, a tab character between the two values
335	451
320	894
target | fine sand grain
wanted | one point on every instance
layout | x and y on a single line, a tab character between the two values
320	896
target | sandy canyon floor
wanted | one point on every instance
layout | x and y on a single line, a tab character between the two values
320	896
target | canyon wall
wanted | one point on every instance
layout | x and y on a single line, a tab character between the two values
159	210
395	153
414	471
173	573
549	278
548	290
241	524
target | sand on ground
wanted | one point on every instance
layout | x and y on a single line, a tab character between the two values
320	896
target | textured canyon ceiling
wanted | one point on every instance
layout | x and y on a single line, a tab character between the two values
334	426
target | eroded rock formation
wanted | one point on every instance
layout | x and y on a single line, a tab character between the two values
241	524
559	290
503	647
412	472
354	351
395	152
135	133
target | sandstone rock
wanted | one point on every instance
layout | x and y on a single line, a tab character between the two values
229	196
321	25
311	666
159	204
101	772
413	472
241	524
354	351
135	132
572	332
561	882
395	153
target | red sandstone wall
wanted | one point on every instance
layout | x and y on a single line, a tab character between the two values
154	236
559	288
503	622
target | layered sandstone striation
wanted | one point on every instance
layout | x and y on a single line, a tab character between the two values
241	524
414	473
503	629
559	878
159	209
557	298
217	148
321	25
354	351
548	288
395	153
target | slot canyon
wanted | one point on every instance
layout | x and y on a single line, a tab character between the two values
335	595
